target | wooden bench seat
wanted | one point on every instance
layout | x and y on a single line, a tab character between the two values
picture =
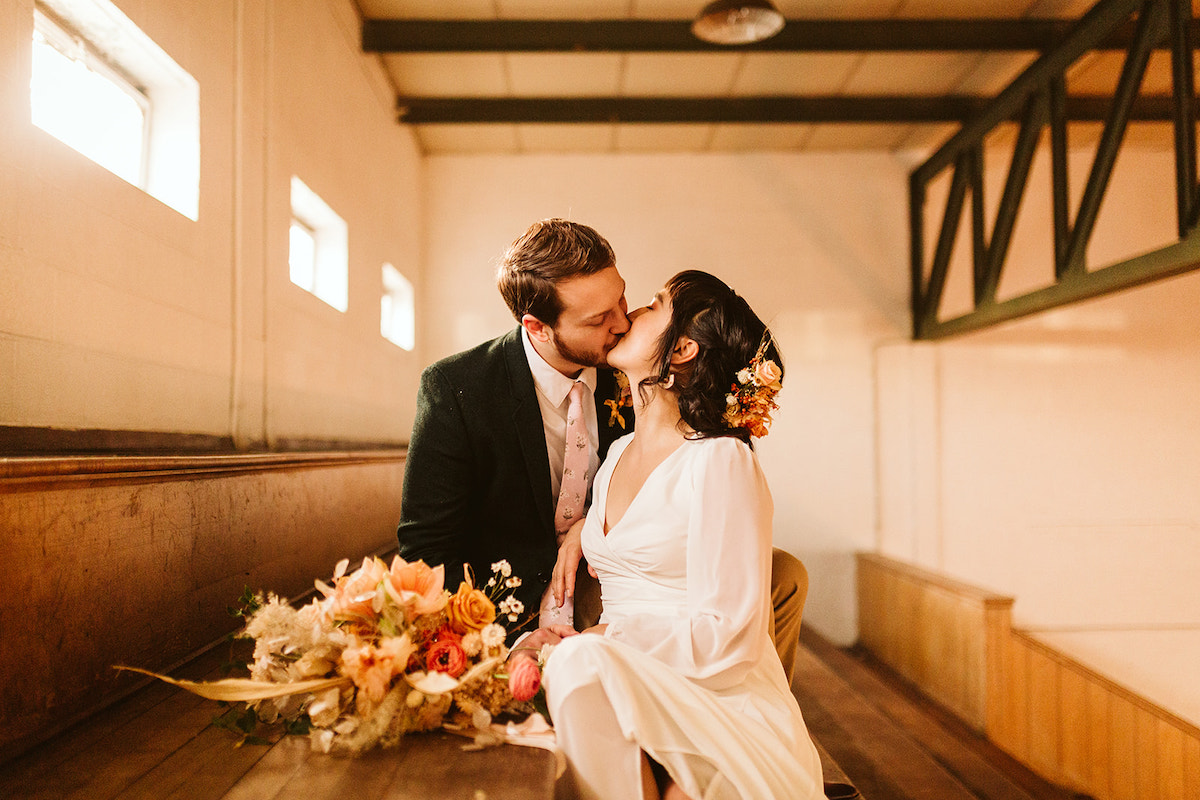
159	743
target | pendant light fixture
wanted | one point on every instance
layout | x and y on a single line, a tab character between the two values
737	22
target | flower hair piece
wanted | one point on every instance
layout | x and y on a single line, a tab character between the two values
752	396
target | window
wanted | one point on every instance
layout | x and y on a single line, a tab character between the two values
104	88
82	101
318	256
302	256
396	319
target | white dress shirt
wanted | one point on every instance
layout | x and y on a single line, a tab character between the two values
552	390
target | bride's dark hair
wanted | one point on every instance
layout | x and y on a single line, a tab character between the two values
729	334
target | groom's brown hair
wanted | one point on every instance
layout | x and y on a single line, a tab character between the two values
552	250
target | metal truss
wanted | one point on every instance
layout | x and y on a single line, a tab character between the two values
1038	98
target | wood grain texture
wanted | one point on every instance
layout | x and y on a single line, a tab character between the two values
1069	723
135	561
931	629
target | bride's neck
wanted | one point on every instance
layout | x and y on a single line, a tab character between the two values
659	416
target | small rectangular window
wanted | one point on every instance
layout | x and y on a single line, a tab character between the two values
318	252
81	100
396	309
302	256
104	88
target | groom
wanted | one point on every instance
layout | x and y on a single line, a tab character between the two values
486	456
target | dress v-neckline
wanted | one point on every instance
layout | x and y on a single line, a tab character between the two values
605	528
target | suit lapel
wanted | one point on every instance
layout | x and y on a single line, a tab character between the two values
527	423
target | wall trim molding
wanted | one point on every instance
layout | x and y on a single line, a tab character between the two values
25	440
20	472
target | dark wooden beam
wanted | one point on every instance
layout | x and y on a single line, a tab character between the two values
673	36
815	109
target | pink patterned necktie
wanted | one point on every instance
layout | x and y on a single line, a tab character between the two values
571	495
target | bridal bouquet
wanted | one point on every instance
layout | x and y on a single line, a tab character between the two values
383	652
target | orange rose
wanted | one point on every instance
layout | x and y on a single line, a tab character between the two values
469	610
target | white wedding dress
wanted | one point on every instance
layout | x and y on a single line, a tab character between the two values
686	670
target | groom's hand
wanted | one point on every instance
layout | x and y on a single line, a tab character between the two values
532	644
570	551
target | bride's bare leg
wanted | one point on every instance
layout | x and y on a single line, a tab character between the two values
649	785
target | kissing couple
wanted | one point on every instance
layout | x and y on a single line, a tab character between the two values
624	438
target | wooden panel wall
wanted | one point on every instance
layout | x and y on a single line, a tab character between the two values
930	629
1063	720
1079	729
127	560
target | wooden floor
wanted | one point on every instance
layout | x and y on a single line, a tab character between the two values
895	745
159	743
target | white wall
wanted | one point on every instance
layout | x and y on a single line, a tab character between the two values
119	313
1055	458
816	243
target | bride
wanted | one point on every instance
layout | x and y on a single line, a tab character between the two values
678	691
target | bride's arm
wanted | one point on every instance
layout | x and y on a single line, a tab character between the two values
728	574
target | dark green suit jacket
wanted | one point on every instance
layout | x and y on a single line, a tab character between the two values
477	482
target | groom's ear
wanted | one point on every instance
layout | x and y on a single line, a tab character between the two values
536	329
685	350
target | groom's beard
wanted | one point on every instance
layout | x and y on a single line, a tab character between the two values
581	356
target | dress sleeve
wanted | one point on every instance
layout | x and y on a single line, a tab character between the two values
725	632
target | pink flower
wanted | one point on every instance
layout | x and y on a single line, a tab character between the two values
768	373
420	586
373	667
524	679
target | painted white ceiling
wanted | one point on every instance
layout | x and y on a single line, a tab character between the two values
707	74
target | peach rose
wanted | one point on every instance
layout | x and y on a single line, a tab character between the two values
524	679
768	373
373	667
469	610
419	586
358	594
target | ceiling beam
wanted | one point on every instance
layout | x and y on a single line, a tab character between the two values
798	35
813	109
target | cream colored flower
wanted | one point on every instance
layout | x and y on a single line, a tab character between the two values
325	707
472	643
544	654
493	635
